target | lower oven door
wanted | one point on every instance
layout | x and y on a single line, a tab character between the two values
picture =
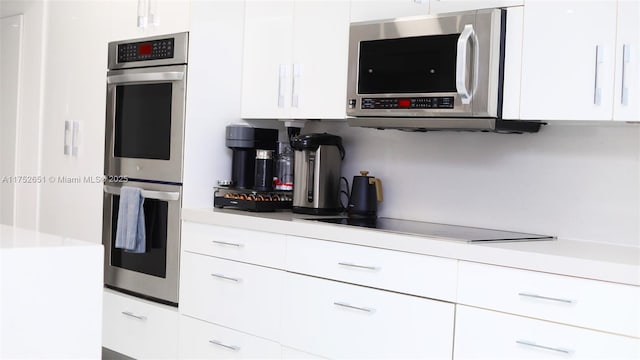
153	274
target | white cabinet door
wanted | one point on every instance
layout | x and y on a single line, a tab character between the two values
484	334
162	17
568	60
202	340
626	106
320	54
443	6
267	68
138	328
367	10
338	320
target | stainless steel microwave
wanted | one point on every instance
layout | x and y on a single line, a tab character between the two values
436	72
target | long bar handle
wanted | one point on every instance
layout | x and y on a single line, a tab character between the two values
374	268
230	347
226	243
626	60
220	276
348	306
148	194
295	88
597	89
540	297
468	33
130	314
159	76
282	78
532	344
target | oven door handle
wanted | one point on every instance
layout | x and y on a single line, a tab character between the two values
145	77
148	194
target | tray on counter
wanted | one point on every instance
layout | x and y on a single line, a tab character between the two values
252	200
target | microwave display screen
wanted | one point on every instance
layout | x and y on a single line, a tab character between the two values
419	64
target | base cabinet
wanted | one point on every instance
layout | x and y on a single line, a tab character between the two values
202	340
338	320
486	334
139	329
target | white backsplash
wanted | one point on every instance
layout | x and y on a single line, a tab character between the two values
571	181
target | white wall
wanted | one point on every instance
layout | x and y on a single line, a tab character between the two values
30	109
572	181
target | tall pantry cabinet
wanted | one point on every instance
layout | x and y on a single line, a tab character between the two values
73	114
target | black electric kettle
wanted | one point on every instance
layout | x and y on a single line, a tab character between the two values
366	192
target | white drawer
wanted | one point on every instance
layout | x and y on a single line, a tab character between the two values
203	340
485	334
408	273
582	302
233	294
338	320
254	247
138	328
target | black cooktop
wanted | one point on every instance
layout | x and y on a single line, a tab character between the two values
444	231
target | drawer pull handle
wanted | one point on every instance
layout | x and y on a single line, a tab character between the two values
226	243
374	268
535	296
532	344
220	276
230	347
139	317
368	310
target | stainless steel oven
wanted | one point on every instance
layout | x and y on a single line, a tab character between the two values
145	121
146	91
155	272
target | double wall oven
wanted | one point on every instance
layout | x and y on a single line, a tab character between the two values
145	119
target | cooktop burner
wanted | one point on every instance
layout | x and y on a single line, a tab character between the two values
444	231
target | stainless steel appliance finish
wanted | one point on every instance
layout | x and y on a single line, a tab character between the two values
146	110
435	230
145	121
317	165
430	72
155	273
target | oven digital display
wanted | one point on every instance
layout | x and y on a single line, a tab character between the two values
145	49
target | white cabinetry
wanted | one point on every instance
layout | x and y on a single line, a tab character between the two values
295	59
138	328
626	105
339	320
569	59
367	10
161	17
516	337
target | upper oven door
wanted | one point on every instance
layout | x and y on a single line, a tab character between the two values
429	66
145	123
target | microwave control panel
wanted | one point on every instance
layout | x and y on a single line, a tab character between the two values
146	50
440	102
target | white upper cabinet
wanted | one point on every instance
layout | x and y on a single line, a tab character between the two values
295	59
140	18
568	60
443	6
366	10
626	105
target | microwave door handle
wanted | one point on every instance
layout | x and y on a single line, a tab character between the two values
461	62
148	194
145	77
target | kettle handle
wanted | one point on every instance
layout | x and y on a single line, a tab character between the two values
378	183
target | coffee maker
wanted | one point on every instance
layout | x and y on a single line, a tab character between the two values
317	162
244	141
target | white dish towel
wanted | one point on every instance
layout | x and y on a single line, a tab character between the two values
130	233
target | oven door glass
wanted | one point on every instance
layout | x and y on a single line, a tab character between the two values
143	121
154	260
419	64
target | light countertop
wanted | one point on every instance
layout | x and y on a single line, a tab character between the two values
18	238
600	261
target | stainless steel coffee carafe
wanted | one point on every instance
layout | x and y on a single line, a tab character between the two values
317	165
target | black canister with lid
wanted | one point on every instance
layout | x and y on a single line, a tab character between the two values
264	170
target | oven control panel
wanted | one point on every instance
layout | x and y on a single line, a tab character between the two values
146	50
439	102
